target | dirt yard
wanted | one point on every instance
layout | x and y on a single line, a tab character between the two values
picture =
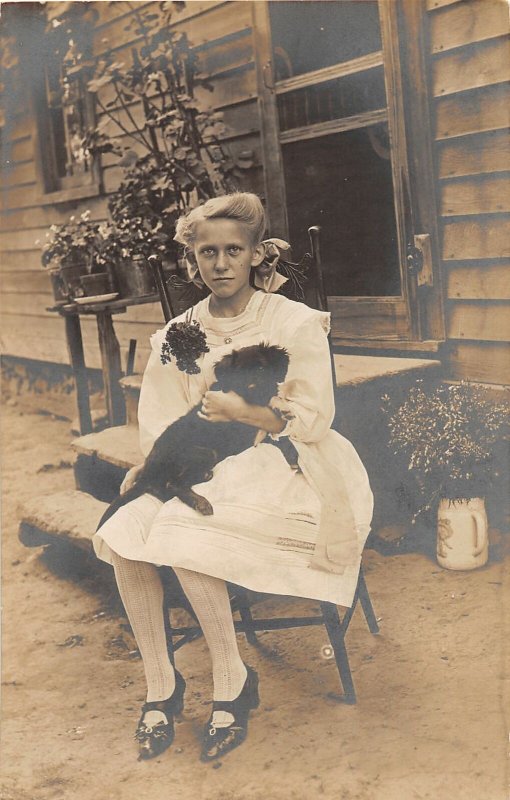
433	702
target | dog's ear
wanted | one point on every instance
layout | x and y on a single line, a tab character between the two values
283	363
222	367
226	366
278	359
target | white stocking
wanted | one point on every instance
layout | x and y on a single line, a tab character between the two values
141	591
209	599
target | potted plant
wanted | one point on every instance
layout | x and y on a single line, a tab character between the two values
169	148
71	256
449	436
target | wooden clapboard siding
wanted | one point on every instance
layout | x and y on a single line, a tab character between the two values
479	321
16	282
19	218
468	22
226	55
217	21
476	239
483	64
434	4
19	173
19	126
16	303
221	33
469	98
24	239
479	280
108	12
474	155
486	109
229	89
26	196
486	362
20	149
481	195
470	102
21	259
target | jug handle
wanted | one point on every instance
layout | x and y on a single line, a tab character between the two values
480	531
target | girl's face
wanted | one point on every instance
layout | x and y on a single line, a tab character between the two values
225	255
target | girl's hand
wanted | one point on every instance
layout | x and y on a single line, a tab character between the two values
130	478
222	407
229	406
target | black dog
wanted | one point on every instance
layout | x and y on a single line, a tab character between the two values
188	450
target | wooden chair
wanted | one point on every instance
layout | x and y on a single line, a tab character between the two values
244	602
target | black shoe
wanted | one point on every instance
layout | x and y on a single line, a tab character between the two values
219	741
154	740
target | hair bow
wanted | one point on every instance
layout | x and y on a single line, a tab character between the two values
266	276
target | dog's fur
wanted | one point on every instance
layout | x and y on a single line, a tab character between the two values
188	450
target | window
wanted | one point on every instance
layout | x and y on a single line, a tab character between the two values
64	108
68	119
333	110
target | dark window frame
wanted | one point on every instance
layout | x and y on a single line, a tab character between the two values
53	187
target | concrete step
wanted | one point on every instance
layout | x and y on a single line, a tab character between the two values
103	459
70	515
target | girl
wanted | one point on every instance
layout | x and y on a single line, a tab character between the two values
274	529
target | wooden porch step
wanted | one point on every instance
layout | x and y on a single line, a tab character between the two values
103	459
357	370
351	370
70	515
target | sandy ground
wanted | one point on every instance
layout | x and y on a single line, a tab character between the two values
431	719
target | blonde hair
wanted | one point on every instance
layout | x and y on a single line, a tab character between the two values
242	207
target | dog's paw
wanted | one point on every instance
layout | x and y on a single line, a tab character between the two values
203	506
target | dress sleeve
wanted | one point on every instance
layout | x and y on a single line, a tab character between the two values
163	397
306	398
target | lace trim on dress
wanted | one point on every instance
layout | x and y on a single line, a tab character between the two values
229	326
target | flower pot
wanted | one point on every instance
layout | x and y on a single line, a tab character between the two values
96	284
135	278
71	276
58	286
462	534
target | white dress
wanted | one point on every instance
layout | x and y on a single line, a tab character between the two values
268	519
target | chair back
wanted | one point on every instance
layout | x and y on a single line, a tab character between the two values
315	252
321	298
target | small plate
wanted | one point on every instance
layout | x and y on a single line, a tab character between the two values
96	298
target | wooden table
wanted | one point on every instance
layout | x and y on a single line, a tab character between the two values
110	354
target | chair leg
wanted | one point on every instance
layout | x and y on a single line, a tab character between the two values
169	633
243	607
336	637
366	603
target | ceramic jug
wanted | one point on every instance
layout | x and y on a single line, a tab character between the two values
462	534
